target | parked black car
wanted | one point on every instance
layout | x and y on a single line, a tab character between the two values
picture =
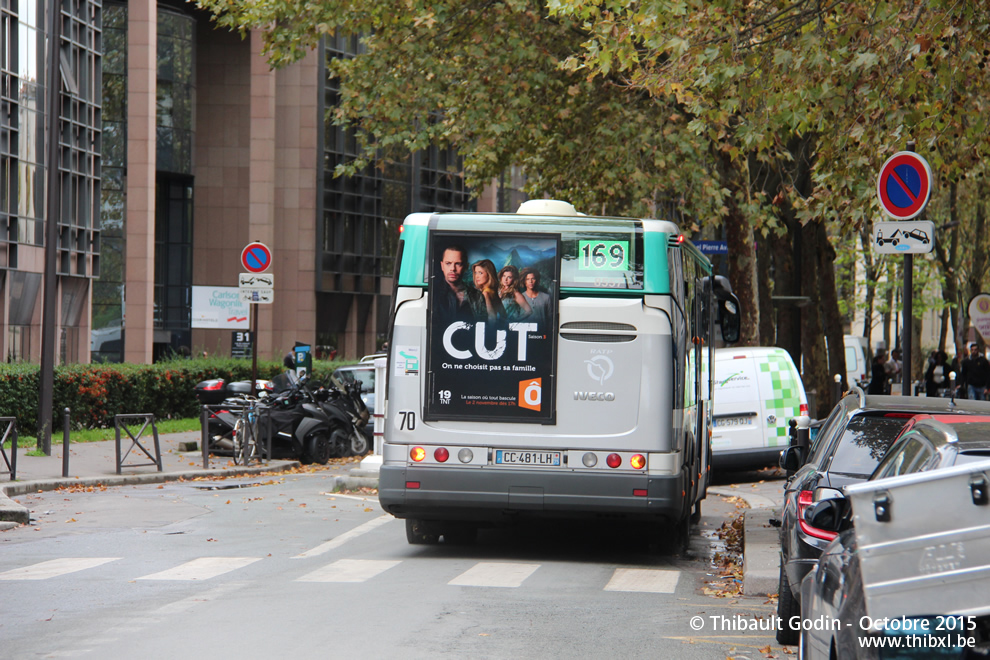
948	560
846	450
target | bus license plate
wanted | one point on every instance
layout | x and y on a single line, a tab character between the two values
536	458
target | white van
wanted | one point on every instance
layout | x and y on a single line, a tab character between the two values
758	390
858	370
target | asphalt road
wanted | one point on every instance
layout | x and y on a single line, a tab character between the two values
283	567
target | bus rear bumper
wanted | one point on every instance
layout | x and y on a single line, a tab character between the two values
494	495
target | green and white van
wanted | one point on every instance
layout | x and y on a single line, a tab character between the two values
758	390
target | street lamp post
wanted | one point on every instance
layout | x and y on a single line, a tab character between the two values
49	322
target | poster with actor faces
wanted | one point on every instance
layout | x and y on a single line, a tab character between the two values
492	327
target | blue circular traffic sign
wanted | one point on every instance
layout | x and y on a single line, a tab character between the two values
904	185
256	258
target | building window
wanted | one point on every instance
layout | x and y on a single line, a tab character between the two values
176	88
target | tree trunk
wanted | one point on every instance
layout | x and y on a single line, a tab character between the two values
870	267
742	259
787	284
764	288
816	376
829	304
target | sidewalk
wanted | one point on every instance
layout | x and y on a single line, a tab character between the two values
95	463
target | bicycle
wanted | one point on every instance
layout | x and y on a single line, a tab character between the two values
247	447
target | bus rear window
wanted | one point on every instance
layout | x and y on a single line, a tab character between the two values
600	260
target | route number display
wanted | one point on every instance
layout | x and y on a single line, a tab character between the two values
603	255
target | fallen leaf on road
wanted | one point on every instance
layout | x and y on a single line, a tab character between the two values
71	520
211	540
227	502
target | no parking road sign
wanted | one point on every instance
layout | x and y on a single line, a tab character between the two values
904	185
256	257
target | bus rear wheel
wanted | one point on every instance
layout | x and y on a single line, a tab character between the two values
418	532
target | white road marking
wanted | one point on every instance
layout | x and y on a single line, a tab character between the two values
345	537
55	567
203	568
494	574
643	579
349	570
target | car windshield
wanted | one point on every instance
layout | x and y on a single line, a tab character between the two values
864	442
364	376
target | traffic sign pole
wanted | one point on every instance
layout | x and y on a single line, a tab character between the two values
907	335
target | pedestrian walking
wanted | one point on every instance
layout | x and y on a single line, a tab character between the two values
976	373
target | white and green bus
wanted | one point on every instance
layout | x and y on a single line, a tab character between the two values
548	364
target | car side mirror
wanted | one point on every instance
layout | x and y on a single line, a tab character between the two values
792	458
832	515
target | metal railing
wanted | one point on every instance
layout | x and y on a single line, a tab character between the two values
120	422
9	432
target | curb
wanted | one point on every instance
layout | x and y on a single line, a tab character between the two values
761	543
13	514
761	554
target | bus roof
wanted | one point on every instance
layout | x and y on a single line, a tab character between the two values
656	234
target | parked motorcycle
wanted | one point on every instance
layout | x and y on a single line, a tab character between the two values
299	424
350	414
215	390
300	427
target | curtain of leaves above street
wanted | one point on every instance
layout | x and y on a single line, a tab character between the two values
767	121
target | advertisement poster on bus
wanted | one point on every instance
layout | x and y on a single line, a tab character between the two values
492	327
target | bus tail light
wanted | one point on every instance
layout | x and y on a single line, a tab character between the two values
417	454
412	484
638	461
613	460
804	409
441	454
639	492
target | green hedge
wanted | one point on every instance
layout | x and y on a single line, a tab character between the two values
94	393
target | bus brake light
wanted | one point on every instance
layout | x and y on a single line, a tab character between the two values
441	454
417	454
613	460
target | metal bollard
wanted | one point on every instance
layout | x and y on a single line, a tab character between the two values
804	433
838	389
204	421
65	443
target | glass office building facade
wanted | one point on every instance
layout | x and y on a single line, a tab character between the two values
24	172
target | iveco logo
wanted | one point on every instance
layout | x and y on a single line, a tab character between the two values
594	396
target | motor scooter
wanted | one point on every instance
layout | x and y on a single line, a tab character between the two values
216	390
349	417
300	428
